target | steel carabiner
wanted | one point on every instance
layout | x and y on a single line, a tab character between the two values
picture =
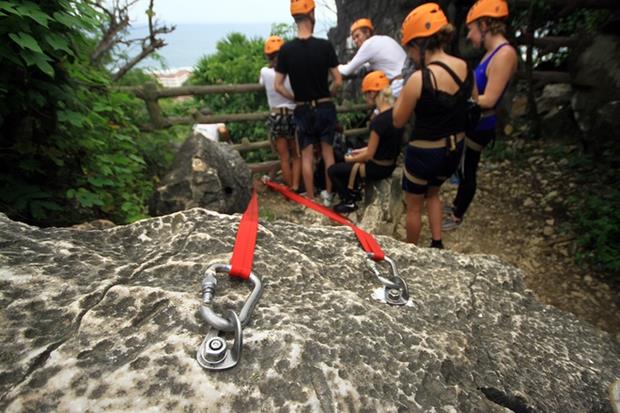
209	284
395	288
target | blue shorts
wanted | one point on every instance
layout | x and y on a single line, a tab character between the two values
315	124
426	168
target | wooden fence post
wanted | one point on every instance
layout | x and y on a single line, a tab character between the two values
150	94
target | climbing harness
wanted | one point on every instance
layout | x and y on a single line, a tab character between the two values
395	291
214	353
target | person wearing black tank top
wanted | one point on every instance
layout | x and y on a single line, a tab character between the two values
438	93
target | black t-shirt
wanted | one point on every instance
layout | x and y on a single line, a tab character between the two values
307	63
389	136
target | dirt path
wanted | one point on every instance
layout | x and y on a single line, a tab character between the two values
519	214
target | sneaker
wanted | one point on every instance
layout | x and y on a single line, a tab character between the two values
345	207
448	208
450	222
327	198
357	194
455	179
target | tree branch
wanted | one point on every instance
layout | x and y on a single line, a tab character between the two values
113	31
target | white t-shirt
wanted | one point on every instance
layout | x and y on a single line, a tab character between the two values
275	100
382	53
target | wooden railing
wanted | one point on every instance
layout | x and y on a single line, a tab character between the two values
151	94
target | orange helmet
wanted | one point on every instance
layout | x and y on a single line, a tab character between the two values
360	23
375	82
301	7
273	44
487	8
423	21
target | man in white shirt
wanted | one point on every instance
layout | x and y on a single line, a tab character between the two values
379	52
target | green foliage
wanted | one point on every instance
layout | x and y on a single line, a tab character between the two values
500	150
69	146
598	226
284	30
237	60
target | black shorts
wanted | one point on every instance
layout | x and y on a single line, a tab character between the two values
426	168
315	124
281	126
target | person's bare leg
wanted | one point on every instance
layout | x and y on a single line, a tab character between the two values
414	216
307	169
285	162
295	163
328	158
433	206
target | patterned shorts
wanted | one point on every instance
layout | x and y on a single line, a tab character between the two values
281	125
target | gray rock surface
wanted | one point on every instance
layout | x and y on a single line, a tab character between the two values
204	174
382	206
107	320
596	103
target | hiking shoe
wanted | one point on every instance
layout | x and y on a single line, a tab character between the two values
357	194
447	209
450	222
327	198
345	207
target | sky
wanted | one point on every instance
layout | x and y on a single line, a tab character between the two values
227	11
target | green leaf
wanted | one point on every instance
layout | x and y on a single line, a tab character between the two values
137	159
26	41
67	20
74	118
87	198
58	43
33	11
5	5
43	65
100	181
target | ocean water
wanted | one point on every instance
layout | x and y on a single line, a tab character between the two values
189	42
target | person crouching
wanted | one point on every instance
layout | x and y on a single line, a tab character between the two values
378	159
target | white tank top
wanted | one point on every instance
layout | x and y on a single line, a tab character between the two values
276	100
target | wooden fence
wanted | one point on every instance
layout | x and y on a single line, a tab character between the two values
151	94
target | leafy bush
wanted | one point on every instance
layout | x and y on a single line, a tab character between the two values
598	226
237	60
69	146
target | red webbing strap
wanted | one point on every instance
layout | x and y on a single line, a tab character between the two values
369	244
243	251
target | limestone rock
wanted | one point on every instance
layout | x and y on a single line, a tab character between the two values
382	206
108	321
205	174
597	71
554	96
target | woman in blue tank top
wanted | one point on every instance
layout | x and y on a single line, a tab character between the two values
438	94
485	22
